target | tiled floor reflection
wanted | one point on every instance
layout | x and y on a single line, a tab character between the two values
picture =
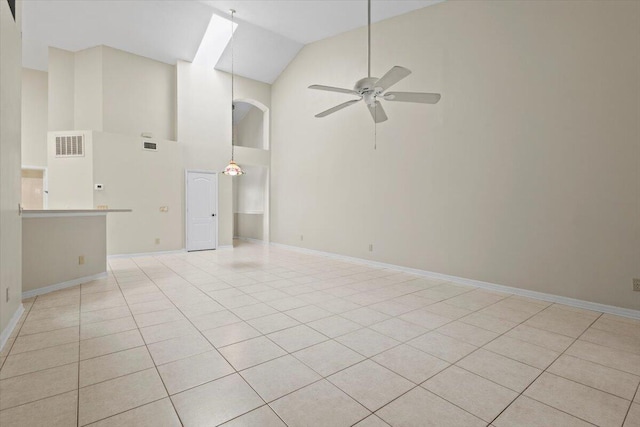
263	336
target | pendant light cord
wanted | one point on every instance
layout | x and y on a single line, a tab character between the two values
368	38
232	85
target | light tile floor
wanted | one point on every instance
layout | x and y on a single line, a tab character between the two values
262	336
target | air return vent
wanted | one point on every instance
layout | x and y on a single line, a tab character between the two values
148	145
70	146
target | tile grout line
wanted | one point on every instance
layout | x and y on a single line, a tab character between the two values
38	400
545	371
479	347
454	364
420	308
624	420
148	352
226	360
17	332
230	364
317	286
537	345
214	348
384	367
79	335
49	346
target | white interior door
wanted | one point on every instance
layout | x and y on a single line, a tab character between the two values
202	210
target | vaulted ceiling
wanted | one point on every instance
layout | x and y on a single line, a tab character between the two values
268	35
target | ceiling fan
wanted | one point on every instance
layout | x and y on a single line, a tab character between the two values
371	89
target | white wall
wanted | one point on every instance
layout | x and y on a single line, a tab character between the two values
250	130
34	117
525	174
144	181
70	178
249	225
88	89
132	178
204	116
106	89
139	95
10	162
61	89
250	189
204	126
124	95
51	247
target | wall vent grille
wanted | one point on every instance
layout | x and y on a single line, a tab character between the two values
70	146
152	146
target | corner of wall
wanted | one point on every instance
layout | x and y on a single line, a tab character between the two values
10	164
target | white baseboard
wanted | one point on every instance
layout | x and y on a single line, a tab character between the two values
140	254
177	251
587	305
219	248
249	239
4	335
63	285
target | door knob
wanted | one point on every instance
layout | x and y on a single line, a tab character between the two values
213	214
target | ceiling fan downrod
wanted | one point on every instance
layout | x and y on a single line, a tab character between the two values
371	89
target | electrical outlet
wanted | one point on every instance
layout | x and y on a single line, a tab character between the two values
157	241
370	247
636	285
81	260
301	237
7	297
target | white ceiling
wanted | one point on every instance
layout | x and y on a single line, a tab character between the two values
306	21
162	30
259	54
268	36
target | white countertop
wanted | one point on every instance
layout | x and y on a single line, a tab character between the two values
47	213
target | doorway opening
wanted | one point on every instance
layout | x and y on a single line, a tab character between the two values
201	210
249	201
34	188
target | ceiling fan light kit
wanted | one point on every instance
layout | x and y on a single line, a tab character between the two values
372	89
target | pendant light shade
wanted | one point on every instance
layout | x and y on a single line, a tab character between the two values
232	168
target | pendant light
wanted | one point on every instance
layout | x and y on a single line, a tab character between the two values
232	169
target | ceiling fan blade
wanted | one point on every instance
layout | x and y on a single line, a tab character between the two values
377	112
333	89
392	77
337	108
419	97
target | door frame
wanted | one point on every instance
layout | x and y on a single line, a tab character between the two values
45	182
186	205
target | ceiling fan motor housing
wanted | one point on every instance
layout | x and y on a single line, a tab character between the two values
367	89
371	88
